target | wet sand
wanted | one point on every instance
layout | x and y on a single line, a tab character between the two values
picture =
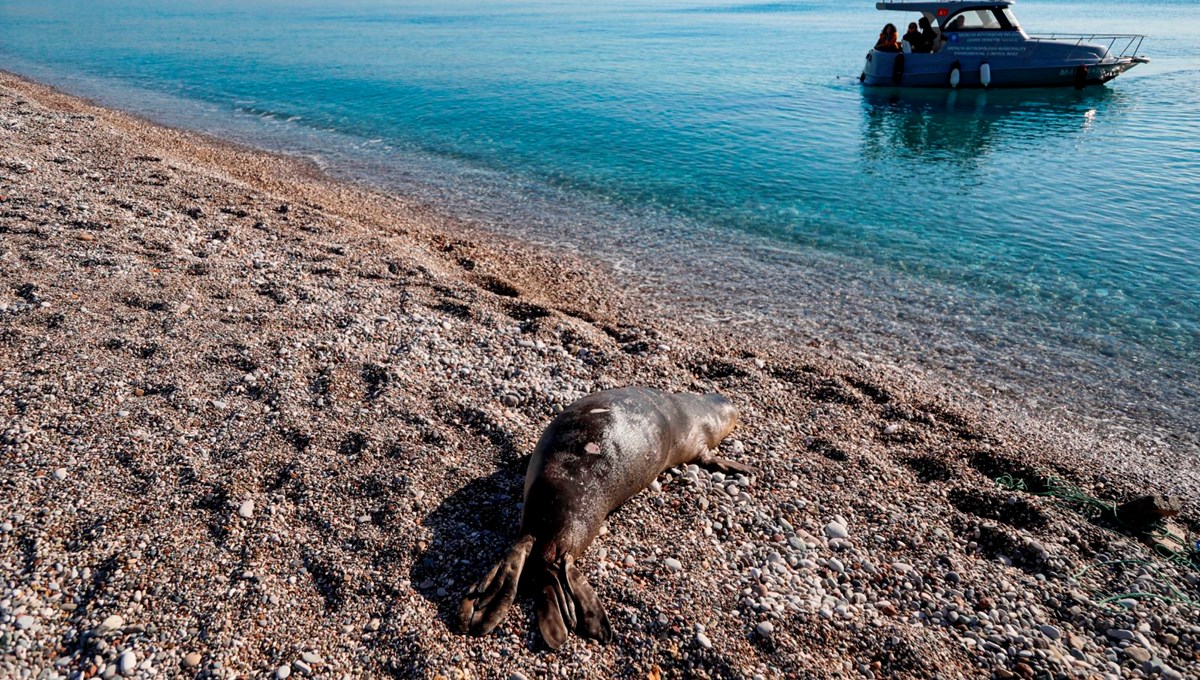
253	419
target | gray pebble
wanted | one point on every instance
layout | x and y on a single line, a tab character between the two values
673	564
110	624
1050	631
1119	634
764	629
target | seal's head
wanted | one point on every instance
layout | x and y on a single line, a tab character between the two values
714	415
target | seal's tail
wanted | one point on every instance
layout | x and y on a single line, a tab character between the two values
488	601
567	602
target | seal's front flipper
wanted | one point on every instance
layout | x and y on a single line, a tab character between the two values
592	620
710	461
488	601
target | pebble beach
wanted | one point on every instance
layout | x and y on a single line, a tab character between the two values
258	423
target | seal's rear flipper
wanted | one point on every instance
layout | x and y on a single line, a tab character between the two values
592	619
567	602
488	601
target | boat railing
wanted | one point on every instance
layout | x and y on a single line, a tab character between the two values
1119	45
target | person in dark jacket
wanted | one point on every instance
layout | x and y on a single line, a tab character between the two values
913	37
929	37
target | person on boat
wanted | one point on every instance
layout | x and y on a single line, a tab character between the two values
888	40
929	37
913	38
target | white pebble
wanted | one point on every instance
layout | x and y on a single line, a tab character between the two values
836	530
246	509
127	662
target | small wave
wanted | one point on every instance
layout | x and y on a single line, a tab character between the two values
267	114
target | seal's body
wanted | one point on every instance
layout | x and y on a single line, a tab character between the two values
599	452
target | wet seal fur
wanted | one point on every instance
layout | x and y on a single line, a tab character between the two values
598	453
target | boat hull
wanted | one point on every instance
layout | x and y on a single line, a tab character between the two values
935	70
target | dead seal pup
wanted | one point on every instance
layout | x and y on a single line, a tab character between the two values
594	456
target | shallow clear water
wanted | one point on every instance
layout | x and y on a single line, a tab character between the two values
1041	242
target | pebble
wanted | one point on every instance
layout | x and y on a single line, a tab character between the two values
373	625
673	564
1138	654
127	662
836	530
192	660
110	624
246	509
517	676
60	474
25	622
283	671
1119	634
703	641
312	658
301	667
1050	631
764	629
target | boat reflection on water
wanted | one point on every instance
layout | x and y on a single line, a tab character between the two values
963	127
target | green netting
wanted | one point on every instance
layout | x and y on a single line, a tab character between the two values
1184	553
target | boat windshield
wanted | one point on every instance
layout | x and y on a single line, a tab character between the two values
986	19
1009	17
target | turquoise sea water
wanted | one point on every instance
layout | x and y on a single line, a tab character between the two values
1042	243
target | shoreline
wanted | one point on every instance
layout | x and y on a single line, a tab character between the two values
301	430
1052	379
